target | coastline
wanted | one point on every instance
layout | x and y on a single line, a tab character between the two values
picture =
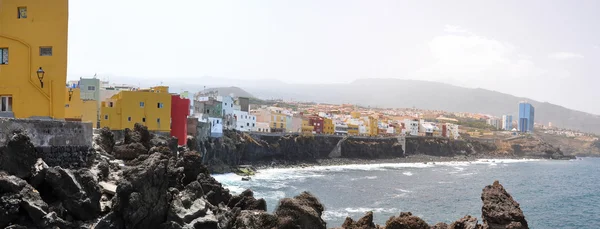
425	159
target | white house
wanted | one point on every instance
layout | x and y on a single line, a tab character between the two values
412	127
363	130
427	128
340	129
245	122
263	127
227	104
216	127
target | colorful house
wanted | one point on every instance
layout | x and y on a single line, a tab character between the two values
33	58
180	110
317	122
150	107
353	129
328	127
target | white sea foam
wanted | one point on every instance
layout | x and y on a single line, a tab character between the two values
329	215
403	190
376	210
407	173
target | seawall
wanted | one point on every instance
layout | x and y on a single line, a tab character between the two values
58	143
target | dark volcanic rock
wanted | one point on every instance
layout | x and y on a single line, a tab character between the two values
79	192
467	222
406	221
500	210
192	166
129	151
142	198
302	211
366	222
246	201
19	155
183	210
14	190
255	220
440	226
106	140
214	191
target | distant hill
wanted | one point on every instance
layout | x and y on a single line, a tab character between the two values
228	91
397	93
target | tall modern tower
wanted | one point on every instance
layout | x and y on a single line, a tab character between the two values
526	117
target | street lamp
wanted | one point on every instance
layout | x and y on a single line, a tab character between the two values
70	93
40	74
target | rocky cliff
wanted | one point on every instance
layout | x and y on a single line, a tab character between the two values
170	188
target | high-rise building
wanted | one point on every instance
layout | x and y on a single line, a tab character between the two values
507	122
526	117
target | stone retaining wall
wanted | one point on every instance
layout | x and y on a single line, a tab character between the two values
48	132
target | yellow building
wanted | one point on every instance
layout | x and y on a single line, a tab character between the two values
328	127
278	120
306	127
353	130
73	104
33	37
373	127
89	111
151	107
355	114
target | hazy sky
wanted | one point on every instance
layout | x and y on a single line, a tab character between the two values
544	50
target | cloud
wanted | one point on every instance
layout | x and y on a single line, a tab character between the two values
565	56
596	46
455	29
470	60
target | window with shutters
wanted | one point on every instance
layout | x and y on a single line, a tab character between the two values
3	55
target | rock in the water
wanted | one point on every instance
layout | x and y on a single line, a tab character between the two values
366	222
302	211
19	155
246	201
500	210
467	222
406	221
255	220
440	226
142	194
79	192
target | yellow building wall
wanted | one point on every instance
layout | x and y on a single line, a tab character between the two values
89	111
278	120
355	114
353	129
74	106
46	25
328	127
127	111
306	127
373	128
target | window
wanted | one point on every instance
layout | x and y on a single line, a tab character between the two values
158	120
232	105
252	124
3	55
66	105
159	105
247	124
217	121
6	102
143	119
110	104
106	117
141	104
91	88
21	12
129	119
225	104
45	51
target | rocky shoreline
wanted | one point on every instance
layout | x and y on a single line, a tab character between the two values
168	187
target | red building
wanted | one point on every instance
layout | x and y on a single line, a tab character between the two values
317	122
180	110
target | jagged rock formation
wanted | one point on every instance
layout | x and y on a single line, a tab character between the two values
500	210
172	189
18	156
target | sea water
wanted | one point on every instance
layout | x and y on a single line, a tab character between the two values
552	194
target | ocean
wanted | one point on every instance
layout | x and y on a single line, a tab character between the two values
552	194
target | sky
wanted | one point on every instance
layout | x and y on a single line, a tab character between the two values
540	49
